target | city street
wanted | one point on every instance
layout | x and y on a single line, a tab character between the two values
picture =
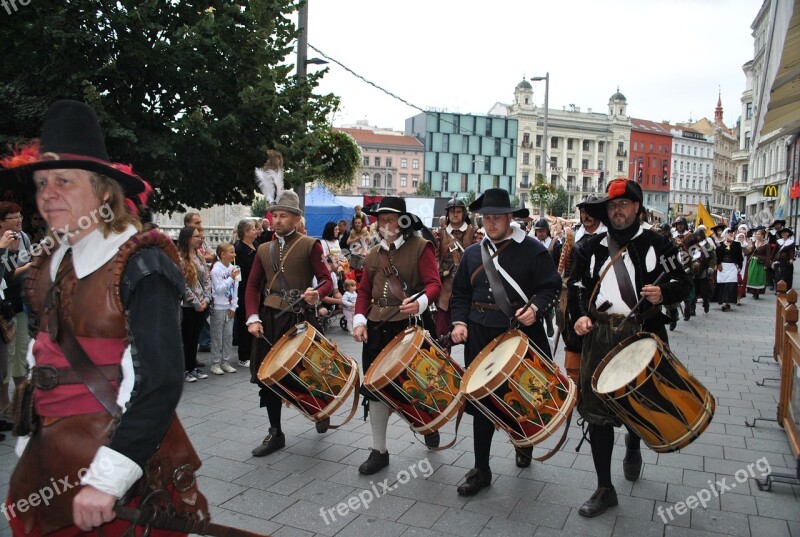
297	490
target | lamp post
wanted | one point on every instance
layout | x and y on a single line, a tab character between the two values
545	160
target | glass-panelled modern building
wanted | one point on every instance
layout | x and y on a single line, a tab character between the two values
464	152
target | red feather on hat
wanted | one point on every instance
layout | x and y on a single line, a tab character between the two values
617	189
21	155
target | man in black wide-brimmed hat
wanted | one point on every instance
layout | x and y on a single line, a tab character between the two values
611	271
493	285
399	267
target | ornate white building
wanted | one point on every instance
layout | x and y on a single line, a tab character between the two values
692	169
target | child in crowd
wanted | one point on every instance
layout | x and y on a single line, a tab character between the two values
225	279
349	303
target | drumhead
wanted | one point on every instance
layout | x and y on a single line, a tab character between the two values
286	350
626	365
391	356
492	364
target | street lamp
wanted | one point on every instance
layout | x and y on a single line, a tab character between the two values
546	161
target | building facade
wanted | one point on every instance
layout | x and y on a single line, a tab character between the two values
391	163
466	153
582	150
726	143
650	164
692	169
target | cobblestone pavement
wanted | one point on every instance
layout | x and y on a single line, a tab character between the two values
287	493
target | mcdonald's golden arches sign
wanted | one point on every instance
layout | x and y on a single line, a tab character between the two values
770	191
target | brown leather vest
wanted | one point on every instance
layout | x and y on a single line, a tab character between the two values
449	260
96	309
385	306
294	262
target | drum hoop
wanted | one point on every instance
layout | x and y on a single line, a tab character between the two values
598	371
503	373
291	360
373	379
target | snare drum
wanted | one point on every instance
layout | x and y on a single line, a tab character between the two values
518	390
307	370
415	377
649	389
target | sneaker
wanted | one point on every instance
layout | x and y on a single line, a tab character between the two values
216	369
199	374
228	368
188	377
244	363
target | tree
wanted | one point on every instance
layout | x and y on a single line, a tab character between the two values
424	190
470	197
543	194
258	207
192	93
561	204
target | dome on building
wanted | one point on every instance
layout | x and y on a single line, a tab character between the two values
524	85
618	96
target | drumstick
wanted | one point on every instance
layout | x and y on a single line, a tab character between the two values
412	299
638	304
262	336
291	306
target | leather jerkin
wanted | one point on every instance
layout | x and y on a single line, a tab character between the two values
495	282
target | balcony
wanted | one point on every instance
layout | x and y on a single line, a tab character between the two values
739	187
743	155
622	152
525	185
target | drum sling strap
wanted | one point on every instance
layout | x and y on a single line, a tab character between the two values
621	272
496	283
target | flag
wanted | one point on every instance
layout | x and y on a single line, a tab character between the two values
780	207
704	218
734	220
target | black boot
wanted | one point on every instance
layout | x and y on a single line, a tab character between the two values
602	499
432	440
376	461
523	456
322	425
474	481
272	443
632	463
706	306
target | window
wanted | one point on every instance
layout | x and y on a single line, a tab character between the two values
388	180
376	180
496	181
585	164
463	182
403	180
415	181
488	126
526	159
749	113
554	143
403	163
415	164
526	139
660	149
454	164
586	145
497	147
365	180
446	143
619	165
601	146
554	180
465	144
553	162
569	143
635	146
538	161
525	179
651	148
388	162
445	186
377	161
538	140
600	165
747	140
365	161
569	162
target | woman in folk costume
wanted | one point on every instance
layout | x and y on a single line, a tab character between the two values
757	266
729	262
107	363
783	258
747	250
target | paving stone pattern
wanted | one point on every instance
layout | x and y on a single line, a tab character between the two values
286	493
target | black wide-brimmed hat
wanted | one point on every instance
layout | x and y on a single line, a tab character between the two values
396	205
781	222
72	139
617	189
718	227
496	201
785	230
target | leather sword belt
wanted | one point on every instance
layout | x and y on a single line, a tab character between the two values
385	302
483	307
615	319
287	294
47	377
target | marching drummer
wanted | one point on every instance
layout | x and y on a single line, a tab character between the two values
396	270
281	275
611	272
493	285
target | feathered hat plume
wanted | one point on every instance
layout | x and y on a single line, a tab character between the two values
270	176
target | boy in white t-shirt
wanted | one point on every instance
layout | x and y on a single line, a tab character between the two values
225	279
349	303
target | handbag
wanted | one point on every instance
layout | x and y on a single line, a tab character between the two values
8	329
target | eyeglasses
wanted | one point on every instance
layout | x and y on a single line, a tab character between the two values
18	217
622	204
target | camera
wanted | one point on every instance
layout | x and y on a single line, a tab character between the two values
16	236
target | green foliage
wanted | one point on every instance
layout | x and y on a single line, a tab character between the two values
543	194
424	190
561	205
191	93
470	197
258	207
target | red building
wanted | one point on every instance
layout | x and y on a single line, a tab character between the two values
650	165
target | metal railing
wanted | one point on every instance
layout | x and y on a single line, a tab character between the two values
214	235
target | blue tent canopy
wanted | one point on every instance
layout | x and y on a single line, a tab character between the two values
322	206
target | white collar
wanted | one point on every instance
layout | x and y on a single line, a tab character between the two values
518	235
601	228
462	228
397	243
282	238
91	252
604	242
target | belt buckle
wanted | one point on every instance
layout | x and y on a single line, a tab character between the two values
45	382
382	302
480	308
